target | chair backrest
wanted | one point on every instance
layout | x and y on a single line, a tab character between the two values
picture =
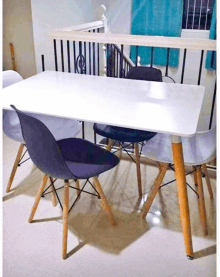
197	149
10	77
42	147
145	73
200	148
205	147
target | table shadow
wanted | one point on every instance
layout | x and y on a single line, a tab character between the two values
97	230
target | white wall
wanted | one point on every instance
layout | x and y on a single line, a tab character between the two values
118	14
17	29
53	14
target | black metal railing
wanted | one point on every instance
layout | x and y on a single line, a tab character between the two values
118	65
84	58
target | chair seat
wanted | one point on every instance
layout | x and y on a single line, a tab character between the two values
85	159
122	134
145	73
197	149
59	127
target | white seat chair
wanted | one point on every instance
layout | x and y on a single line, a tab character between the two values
61	128
197	151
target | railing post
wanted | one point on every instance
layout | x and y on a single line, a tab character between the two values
102	52
103	17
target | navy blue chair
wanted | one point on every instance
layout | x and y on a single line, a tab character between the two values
70	158
131	136
60	127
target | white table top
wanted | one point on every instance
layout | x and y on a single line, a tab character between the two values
153	106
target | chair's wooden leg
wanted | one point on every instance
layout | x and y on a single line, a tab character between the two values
77	186
159	165
154	190
195	177
204	168
15	166
109	146
119	155
65	217
104	201
53	195
202	210
37	199
137	159
182	194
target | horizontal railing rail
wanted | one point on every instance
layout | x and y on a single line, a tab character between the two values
137	40
83	27
118	48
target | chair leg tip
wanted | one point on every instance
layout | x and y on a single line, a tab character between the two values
189	257
29	220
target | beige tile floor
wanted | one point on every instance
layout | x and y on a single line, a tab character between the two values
135	247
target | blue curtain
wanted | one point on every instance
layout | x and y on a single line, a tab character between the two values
156	18
211	55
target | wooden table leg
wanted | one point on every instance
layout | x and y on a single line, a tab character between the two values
182	194
65	217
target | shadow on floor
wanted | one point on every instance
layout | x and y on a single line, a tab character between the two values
97	231
205	252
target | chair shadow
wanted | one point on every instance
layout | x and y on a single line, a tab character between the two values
75	249
137	205
27	186
205	252
114	182
95	230
47	219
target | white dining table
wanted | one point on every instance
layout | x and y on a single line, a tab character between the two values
152	106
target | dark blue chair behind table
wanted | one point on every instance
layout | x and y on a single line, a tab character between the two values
131	136
70	158
60	127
